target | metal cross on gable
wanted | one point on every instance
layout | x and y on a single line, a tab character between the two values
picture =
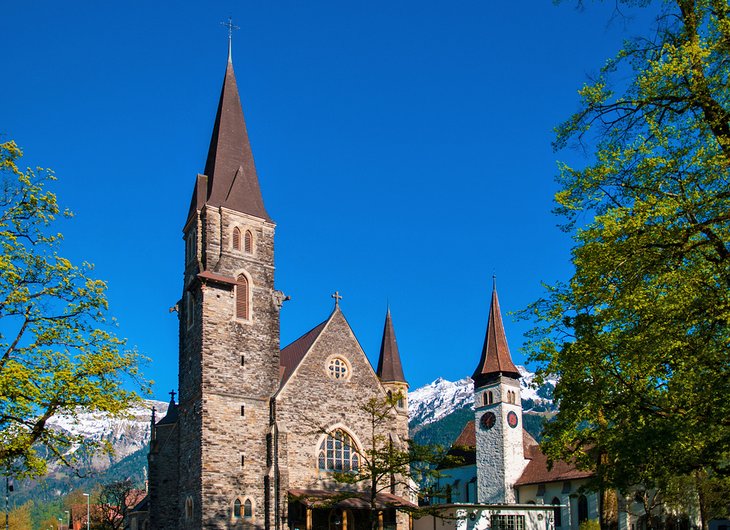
172	395
337	298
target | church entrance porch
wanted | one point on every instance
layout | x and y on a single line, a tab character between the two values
343	510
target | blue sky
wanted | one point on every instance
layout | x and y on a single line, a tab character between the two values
403	150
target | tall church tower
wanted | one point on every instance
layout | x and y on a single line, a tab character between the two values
498	415
229	334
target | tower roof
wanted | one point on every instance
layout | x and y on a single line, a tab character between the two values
496	359
232	181
389	365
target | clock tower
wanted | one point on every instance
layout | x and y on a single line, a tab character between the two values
498	415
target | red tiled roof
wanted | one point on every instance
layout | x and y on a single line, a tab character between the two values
536	471
389	365
349	499
232	180
468	436
496	358
293	354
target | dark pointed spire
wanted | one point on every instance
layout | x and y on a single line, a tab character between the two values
496	359
389	365
231	173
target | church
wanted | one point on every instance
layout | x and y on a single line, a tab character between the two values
259	432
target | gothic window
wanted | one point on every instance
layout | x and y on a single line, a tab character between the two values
247	509
242	309
337	368
189	508
237	509
582	509
248	242
490	398
236	239
337	452
190	246
558	513
401	402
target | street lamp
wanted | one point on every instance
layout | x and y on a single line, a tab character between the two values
88	511
68	519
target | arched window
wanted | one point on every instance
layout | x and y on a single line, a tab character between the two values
189	508
237	509
337	452
582	509
248	242
490	398
236	239
558	515
247	509
189	308
242	310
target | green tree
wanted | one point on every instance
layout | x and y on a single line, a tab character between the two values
639	336
58	353
19	518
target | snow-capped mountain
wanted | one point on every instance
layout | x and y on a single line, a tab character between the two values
126	435
435	401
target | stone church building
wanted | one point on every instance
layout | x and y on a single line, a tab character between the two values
259	430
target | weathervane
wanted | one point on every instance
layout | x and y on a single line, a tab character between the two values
231	27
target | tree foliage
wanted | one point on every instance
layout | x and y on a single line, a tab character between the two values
113	505
58	352
640	337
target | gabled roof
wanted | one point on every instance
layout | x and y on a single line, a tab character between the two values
231	181
172	414
536	471
293	354
390	368
496	359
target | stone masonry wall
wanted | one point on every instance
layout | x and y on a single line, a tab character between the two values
232	373
311	402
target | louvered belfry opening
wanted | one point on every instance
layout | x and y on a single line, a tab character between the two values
242	297
236	239
248	242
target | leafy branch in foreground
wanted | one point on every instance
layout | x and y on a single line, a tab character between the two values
58	353
640	336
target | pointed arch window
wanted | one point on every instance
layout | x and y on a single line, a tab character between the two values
248	509
236	239
248	242
237	509
242	302
558	517
582	508
338	452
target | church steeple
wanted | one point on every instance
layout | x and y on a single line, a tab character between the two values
496	359
389	365
230	178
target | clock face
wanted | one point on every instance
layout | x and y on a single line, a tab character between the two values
512	419
487	421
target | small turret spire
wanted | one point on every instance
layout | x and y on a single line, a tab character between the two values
389	365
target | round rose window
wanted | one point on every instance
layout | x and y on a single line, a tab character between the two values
338	368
